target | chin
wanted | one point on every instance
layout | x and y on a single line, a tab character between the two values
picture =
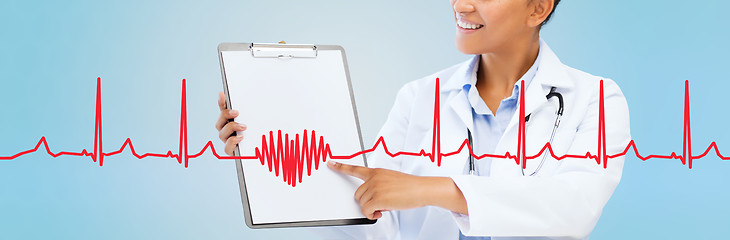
471	44
467	48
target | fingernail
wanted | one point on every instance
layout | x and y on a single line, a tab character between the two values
331	163
242	126
234	112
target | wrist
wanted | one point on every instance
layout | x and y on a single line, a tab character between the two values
435	190
430	188
442	192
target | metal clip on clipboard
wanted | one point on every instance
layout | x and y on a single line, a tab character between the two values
283	50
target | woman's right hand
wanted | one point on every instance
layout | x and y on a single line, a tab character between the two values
226	127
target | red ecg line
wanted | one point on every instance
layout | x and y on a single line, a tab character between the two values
291	155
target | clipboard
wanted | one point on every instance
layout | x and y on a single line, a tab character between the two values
286	92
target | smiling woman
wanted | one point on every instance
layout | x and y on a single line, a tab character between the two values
414	198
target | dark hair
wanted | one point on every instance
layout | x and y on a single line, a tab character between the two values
551	13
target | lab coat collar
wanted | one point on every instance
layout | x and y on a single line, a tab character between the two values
458	100
462	75
550	73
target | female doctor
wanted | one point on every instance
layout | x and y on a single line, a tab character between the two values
414	198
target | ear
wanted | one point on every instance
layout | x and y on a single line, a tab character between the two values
540	10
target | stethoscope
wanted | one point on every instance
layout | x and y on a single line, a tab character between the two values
559	113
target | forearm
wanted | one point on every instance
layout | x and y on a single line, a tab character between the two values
443	192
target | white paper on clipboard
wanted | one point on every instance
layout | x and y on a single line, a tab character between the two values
291	95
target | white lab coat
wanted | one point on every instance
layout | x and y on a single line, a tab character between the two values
563	200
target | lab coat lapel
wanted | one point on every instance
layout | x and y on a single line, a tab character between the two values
456	118
459	105
454	124
457	100
453	127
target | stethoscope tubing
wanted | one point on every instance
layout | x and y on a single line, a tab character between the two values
558	115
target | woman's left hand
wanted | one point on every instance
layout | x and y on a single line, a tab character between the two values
385	190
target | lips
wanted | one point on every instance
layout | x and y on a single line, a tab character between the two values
468	25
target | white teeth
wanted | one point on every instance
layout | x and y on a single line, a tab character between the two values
468	25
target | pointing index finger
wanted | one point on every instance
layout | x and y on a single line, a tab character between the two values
352	170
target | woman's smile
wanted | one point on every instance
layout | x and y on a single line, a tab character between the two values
466	26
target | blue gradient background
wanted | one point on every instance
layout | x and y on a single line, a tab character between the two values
52	52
